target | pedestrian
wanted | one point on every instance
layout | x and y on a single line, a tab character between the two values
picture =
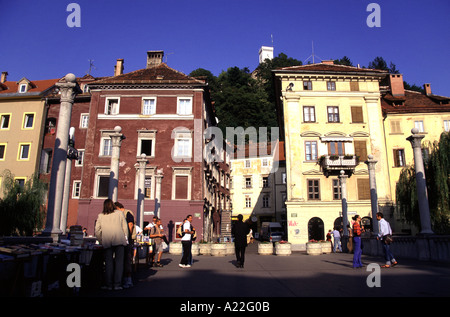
350	239
385	236
240	231
111	231
357	230
186	241
337	240
129	248
150	255
157	237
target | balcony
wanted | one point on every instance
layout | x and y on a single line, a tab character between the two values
333	164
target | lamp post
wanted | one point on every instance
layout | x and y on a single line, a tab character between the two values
72	154
68	89
422	196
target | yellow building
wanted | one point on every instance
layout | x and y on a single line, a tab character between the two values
331	119
258	189
404	110
22	122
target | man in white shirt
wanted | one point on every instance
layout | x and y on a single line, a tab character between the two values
186	241
337	240
385	230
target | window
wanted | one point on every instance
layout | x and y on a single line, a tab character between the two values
5	119
2	151
248	182
182	145
184	106
23	88
396	127
248	164
181	187
307	85
331	85
148	106
265	180
146	147
309	114
283	178
28	121
333	114
76	188
248	202
50	126
24	151
311	150
80	160
419	125
357	115
446	125
363	188
112	106
354	86
46	160
361	150
336	148
313	189
148	187
399	157
20	181
265	162
336	189
266	201
106	147
102	186
84	120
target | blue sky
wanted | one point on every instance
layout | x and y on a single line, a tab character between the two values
35	41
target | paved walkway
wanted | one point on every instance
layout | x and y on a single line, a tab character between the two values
297	275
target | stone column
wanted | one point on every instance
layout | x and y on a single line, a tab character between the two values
422	195
72	154
116	142
343	182
159	176
142	161
373	193
68	89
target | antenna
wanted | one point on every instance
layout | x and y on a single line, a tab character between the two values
167	55
91	65
312	55
271	39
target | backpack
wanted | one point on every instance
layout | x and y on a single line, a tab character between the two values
180	230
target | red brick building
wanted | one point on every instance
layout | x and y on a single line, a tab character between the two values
163	113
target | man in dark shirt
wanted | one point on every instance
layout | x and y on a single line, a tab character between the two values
240	231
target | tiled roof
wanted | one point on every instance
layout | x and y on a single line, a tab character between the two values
414	102
161	74
36	87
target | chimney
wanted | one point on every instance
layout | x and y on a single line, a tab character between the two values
118	69
328	62
3	78
154	58
396	82
427	89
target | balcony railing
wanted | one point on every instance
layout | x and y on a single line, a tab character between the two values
336	163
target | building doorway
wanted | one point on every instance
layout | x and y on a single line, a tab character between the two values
316	229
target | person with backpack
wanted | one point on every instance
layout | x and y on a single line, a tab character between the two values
186	241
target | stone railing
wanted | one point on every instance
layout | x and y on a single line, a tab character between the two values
425	248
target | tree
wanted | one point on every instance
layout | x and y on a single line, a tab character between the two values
437	172
343	61
22	209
